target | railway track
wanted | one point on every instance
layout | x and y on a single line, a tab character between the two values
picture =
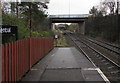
107	46
110	68
107	51
103	49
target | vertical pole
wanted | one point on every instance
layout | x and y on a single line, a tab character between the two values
30	17
17	9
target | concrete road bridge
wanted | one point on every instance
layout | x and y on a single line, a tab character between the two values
70	18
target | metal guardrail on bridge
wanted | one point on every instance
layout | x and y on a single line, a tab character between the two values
70	16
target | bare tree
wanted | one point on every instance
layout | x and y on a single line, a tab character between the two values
117	7
102	8
110	4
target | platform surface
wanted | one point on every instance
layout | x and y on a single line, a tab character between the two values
64	64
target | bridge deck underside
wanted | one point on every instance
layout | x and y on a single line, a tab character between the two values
67	20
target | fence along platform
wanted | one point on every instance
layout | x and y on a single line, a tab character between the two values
18	57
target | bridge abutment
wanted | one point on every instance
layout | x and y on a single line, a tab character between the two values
82	28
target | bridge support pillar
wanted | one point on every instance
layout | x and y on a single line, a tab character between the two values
53	26
82	28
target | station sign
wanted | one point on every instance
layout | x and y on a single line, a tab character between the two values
5	29
9	30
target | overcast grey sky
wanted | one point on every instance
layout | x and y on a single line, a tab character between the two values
71	6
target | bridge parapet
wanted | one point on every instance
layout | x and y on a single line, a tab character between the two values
70	16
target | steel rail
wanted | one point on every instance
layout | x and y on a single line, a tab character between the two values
99	53
113	50
104	77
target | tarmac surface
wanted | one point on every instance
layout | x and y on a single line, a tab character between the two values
64	64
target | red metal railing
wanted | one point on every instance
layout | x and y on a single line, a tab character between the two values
19	56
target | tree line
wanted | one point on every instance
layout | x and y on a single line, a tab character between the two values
104	24
30	17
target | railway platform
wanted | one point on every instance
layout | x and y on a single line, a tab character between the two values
65	64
